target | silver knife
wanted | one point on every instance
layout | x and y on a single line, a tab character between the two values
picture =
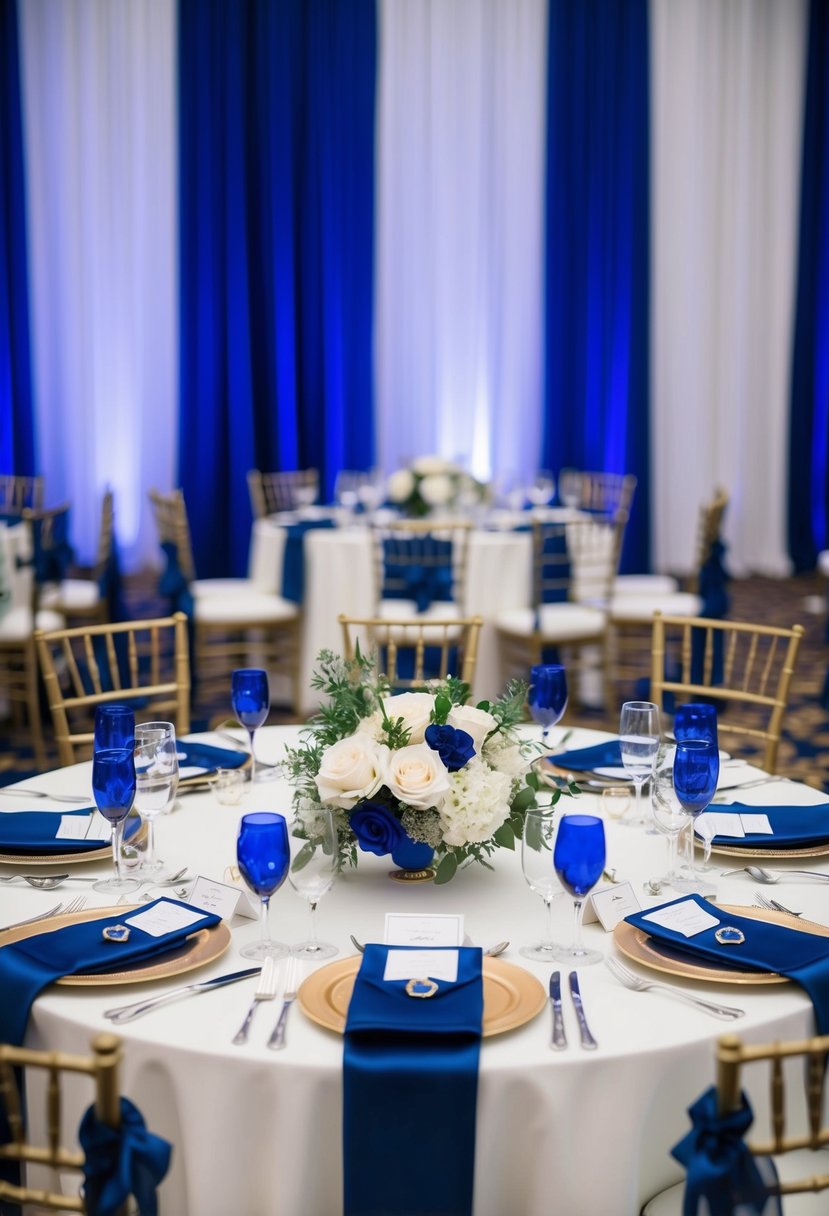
125	1013
559	1040
587	1040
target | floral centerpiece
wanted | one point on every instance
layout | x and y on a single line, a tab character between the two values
431	483
419	775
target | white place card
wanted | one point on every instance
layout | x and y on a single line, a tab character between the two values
99	829
719	823
610	905
418	964
74	827
758	823
411	929
218	897
685	917
164	917
248	904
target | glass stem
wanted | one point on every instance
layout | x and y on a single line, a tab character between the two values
692	866
578	912
637	805
150	843
549	906
313	944
673	863
252	757
264	923
117	832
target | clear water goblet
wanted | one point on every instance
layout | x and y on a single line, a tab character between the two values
639	732
547	696
537	866
251	700
312	873
542	489
670	818
263	854
113	787
156	783
696	771
579	858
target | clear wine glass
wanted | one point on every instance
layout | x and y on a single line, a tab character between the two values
312	873
263	854
579	858
114	726
251	701
542	488
537	865
547	696
113	787
696	771
156	782
670	818
639	732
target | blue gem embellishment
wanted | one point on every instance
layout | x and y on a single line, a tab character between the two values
116	933
729	935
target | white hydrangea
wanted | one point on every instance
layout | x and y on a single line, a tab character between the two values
427	466
437	489
400	485
312	817
372	726
506	757
476	805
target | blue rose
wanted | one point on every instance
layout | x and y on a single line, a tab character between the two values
376	829
455	747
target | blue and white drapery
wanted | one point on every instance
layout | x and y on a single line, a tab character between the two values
460	332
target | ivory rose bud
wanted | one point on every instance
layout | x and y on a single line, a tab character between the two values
476	722
400	485
417	776
351	769
415	708
436	489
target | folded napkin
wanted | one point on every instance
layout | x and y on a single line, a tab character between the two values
293	562
793	826
419	569
30	965
410	1081
36	832
208	757
121	1161
588	759
801	956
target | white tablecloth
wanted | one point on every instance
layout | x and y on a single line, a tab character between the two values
340	576
258	1132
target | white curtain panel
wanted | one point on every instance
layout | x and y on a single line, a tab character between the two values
100	145
461	117
726	117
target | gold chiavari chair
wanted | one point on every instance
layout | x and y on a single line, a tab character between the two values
18	493
410	653
600	492
744	669
282	491
85	599
142	661
103	1067
800	1158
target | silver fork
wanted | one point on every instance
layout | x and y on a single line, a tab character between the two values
29	793
772	905
265	991
277	1038
636	984
74	905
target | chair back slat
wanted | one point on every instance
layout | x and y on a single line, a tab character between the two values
173	528
17	493
285	490
435	647
597	491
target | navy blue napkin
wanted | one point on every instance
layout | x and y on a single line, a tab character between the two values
419	569
206	756
799	955
588	759
30	965
410	1082
121	1161
29	832
794	826
293	561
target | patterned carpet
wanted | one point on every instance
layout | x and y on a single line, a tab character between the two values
804	751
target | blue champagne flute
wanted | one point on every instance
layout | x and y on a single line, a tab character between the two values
113	786
696	772
114	726
579	858
547	696
696	720
251	701
263	853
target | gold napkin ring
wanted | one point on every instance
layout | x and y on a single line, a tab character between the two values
116	933
729	935
422	988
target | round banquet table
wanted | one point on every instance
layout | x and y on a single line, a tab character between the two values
258	1132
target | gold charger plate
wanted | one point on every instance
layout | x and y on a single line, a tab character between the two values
102	853
724	850
201	947
636	944
201	781
511	995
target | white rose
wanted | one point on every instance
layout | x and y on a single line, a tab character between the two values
417	776
436	489
351	769
476	722
425	466
400	485
415	708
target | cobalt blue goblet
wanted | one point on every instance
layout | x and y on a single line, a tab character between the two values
696	721
114	726
251	701
579	858
696	772
547	695
263	853
113	786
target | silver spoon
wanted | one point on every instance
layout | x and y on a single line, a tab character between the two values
48	882
769	876
490	952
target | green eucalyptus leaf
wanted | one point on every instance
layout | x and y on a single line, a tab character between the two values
505	836
447	868
303	856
